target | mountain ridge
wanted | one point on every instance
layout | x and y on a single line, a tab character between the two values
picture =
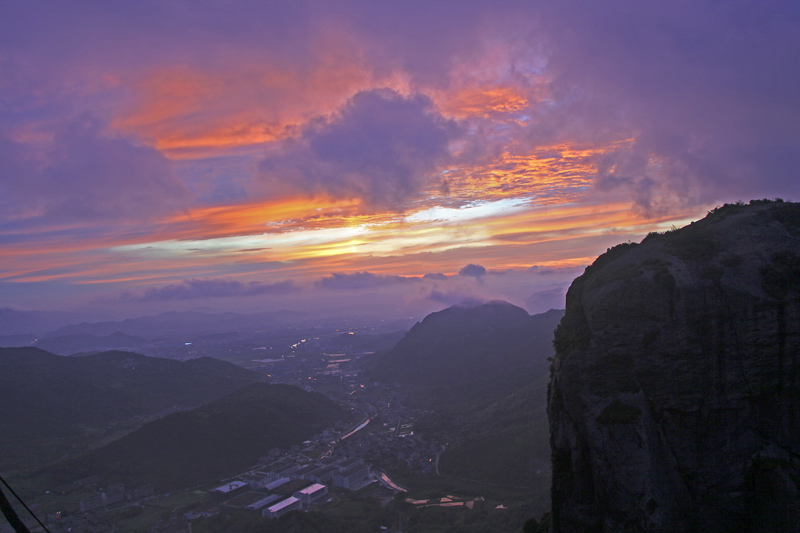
172	323
49	402
486	337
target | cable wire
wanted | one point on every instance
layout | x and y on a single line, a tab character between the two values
2	496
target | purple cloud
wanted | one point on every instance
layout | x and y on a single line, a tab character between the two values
435	276
707	90
455	298
381	147
191	289
361	280
544	300
85	174
473	271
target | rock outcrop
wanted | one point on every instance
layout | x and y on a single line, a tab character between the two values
674	401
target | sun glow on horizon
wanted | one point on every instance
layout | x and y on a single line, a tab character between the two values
264	164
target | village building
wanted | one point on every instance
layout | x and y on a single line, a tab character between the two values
281	508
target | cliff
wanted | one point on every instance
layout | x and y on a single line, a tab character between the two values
674	401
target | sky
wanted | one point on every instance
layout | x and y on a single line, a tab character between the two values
373	157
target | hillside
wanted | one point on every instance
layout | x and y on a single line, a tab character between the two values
483	370
210	442
81	342
466	344
675	397
49	403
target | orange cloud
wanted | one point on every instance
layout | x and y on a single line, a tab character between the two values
483	102
552	174
192	112
266	217
546	235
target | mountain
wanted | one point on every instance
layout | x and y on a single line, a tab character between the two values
49	403
16	322
210	442
81	342
483	370
176	323
24	339
465	344
674	403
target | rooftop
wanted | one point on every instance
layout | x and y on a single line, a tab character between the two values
285	503
230	487
311	489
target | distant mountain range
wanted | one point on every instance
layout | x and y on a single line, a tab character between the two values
484	371
174	323
82	342
14	322
210	442
49	403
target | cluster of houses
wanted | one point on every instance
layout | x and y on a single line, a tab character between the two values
275	491
416	452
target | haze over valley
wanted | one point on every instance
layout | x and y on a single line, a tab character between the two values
456	404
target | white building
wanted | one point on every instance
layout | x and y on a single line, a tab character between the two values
281	508
353	478
312	494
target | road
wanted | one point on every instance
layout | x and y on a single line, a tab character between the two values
386	481
350	433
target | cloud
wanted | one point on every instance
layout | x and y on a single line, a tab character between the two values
704	90
361	280
381	147
455	298
85	174
572	271
474	271
209	288
544	300
437	276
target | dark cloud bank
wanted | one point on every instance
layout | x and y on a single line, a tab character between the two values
361	280
209	288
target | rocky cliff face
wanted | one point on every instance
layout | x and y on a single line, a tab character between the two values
674	402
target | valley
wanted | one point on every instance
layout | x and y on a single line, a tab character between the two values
427	453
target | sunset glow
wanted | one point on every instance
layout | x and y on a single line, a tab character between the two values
280	146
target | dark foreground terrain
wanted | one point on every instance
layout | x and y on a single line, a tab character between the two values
675	397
